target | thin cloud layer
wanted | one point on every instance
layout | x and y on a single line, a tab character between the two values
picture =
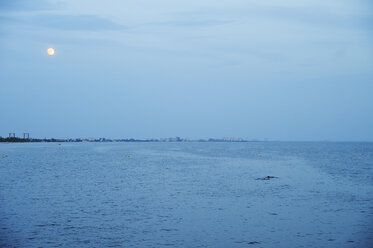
27	5
64	22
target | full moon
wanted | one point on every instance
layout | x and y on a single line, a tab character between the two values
50	51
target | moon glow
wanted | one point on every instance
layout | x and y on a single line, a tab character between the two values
50	51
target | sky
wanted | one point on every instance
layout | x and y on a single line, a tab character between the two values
269	70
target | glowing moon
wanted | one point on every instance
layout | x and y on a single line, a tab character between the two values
50	51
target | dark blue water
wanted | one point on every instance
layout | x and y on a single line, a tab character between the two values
186	195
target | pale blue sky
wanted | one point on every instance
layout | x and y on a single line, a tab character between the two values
277	70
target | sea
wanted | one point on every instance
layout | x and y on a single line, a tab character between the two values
186	194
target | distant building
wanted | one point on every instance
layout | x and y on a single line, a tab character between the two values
12	135
26	135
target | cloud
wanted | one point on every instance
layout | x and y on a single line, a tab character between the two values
36	13
64	22
79	22
192	22
26	5
315	15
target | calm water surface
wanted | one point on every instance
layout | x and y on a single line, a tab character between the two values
186	195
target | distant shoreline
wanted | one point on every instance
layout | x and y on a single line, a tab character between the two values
177	139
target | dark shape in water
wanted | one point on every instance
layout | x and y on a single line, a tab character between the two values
253	243
266	178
